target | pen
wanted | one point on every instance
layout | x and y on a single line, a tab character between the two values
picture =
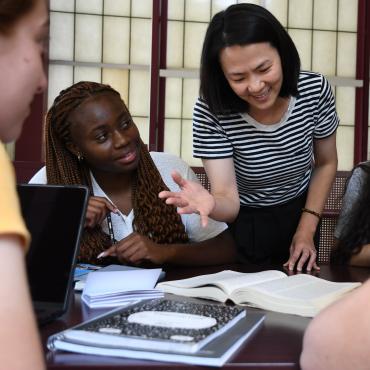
87	266
110	228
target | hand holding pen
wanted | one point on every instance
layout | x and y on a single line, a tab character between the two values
136	249
112	238
97	210
110	229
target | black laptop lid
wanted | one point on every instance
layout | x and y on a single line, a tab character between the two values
54	215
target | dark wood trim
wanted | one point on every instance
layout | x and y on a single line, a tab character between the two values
162	80
29	154
24	170
362	73
157	84
29	148
154	73
29	145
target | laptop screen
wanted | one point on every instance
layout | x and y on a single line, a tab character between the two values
54	215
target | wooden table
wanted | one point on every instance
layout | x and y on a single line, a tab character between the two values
277	345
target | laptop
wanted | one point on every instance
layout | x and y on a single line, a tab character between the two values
54	215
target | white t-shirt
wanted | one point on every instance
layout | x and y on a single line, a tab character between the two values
122	224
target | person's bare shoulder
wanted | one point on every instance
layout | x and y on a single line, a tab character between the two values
339	337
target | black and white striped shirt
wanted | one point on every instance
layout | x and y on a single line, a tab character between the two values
273	163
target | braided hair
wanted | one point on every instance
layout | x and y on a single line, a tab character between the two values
356	232
152	217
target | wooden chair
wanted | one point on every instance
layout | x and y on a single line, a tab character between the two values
202	176
330	213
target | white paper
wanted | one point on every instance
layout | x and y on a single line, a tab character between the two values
116	288
172	319
120	281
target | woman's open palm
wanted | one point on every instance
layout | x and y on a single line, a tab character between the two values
192	198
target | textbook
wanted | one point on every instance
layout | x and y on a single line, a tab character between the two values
165	330
273	290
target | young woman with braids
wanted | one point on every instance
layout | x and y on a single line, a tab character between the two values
91	139
353	229
23	31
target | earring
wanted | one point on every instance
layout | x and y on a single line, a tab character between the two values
80	157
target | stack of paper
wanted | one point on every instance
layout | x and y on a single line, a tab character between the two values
83	270
116	288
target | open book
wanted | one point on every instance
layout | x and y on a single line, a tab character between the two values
273	290
163	329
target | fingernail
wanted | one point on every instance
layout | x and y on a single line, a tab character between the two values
101	255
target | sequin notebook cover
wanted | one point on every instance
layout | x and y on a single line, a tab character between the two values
161	324
114	334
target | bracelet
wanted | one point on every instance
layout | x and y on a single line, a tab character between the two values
318	215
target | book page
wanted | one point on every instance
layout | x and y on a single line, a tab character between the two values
227	280
299	288
201	280
245	280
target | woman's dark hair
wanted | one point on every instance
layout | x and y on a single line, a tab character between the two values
356	232
243	24
11	11
152	217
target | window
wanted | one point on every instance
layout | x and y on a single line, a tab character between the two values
109	41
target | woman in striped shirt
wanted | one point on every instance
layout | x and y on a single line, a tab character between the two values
265	131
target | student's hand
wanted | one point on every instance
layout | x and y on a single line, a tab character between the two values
97	209
137	248
302	250
193	198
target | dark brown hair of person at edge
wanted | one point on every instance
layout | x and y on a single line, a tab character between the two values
11	11
356	232
153	218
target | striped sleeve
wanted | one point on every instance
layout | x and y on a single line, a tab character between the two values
327	119
209	138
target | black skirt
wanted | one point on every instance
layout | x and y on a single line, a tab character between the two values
264	235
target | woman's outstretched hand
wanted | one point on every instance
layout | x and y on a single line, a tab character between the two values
192	198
